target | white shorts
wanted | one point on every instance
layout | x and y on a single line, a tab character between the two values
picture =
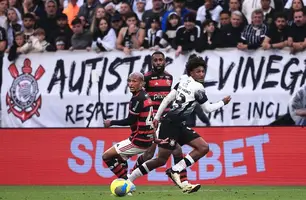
127	149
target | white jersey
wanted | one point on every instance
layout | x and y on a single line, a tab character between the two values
188	93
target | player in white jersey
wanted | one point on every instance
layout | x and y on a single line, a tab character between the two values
185	95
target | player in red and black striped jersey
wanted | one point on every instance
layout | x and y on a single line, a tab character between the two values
158	85
140	120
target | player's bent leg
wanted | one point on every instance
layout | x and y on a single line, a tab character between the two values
112	160
145	168
147	155
177	157
201	148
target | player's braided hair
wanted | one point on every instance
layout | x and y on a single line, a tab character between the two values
193	62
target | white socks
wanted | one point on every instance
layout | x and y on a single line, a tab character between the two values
183	164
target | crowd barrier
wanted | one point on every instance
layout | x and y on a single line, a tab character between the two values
238	156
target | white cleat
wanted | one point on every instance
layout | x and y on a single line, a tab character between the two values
175	177
190	188
132	186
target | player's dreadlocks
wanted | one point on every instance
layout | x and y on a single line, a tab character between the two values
193	62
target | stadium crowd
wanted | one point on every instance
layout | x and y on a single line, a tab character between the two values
183	25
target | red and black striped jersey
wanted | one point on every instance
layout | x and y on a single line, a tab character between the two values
142	130
158	86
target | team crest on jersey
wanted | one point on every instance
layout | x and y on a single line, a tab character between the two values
168	82
172	142
192	38
21	97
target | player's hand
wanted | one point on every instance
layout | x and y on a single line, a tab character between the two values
155	123
161	141
226	99
107	123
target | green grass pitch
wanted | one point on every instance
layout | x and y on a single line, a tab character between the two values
152	192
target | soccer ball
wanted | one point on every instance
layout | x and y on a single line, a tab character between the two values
120	187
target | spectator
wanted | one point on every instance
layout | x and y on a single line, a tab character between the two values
3	18
140	8
15	4
3	44
230	35
32	6
110	9
210	10
178	5
277	36
289	3
71	11
187	35
224	18
62	30
249	6
60	43
104	39
234	5
125	9
156	11
268	11
297	33
81	39
18	47
48	21
193	5
87	10
37	42
130	37
168	5
28	25
14	24
153	35
297	106
296	6
116	23
209	38
99	14
85	23
254	33
168	40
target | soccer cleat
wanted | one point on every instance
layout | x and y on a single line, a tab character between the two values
190	188
175	177
132	186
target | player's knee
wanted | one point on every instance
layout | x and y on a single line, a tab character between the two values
148	155
161	161
105	156
203	148
177	151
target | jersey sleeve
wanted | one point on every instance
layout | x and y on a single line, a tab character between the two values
136	106
200	96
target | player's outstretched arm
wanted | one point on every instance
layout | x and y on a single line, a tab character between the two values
210	107
168	99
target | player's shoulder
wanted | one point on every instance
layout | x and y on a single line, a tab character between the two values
168	74
148	74
184	77
143	95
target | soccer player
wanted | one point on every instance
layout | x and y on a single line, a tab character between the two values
185	95
158	85
140	120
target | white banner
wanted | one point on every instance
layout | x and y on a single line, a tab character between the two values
78	89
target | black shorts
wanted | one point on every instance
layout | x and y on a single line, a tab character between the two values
177	133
